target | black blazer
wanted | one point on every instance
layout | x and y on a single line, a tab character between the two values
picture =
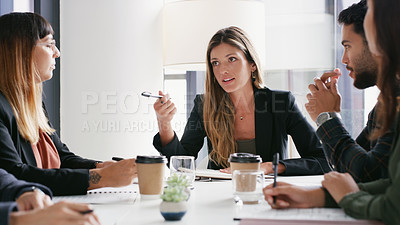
276	117
10	189
16	156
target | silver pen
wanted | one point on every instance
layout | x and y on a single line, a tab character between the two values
149	94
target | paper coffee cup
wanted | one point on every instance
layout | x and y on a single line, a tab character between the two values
244	161
150	175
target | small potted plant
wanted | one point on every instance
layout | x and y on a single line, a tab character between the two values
175	196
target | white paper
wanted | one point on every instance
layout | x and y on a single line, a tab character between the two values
264	211
213	174
108	195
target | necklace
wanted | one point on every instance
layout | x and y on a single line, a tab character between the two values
248	109
243	115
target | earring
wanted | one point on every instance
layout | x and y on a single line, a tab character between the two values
253	76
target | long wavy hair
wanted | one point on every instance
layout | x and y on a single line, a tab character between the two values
386	19
218	109
19	33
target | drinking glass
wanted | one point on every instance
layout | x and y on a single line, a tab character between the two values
183	165
248	186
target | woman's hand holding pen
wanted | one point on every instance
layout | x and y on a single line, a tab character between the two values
115	174
104	164
165	111
165	108
120	173
35	199
290	196
59	213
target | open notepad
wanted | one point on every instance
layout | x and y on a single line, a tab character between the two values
213	174
110	195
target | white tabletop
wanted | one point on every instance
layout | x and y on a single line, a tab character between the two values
210	203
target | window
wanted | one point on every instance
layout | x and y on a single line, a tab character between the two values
175	86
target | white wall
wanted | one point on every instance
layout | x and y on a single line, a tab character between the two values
111	51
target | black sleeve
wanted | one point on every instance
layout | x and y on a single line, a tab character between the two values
313	160
11	188
329	201
5	209
61	181
192	139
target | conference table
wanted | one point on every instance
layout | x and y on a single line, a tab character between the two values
211	202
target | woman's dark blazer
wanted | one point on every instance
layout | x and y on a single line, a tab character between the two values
10	189
16	156
276	117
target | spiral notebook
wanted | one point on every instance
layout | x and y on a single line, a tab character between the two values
110	195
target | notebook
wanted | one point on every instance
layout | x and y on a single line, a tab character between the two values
103	196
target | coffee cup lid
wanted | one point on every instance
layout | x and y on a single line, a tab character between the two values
244	158
151	159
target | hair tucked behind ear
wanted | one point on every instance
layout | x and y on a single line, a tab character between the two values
19	33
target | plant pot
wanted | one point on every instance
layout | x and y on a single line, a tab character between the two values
173	211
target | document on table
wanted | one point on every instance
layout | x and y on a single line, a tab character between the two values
110	195
307	222
213	174
218	175
265	212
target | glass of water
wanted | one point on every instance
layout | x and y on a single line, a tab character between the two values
248	186
183	165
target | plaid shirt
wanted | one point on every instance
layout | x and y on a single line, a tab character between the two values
364	159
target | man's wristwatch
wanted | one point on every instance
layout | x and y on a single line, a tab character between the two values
325	116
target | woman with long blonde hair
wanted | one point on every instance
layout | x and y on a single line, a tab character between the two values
237	114
29	147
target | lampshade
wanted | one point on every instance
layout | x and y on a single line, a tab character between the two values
300	35
190	24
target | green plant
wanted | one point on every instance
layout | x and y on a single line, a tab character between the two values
176	191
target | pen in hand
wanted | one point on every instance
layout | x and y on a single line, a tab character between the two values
87	211
117	158
148	94
275	162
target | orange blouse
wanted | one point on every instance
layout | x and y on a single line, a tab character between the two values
46	153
